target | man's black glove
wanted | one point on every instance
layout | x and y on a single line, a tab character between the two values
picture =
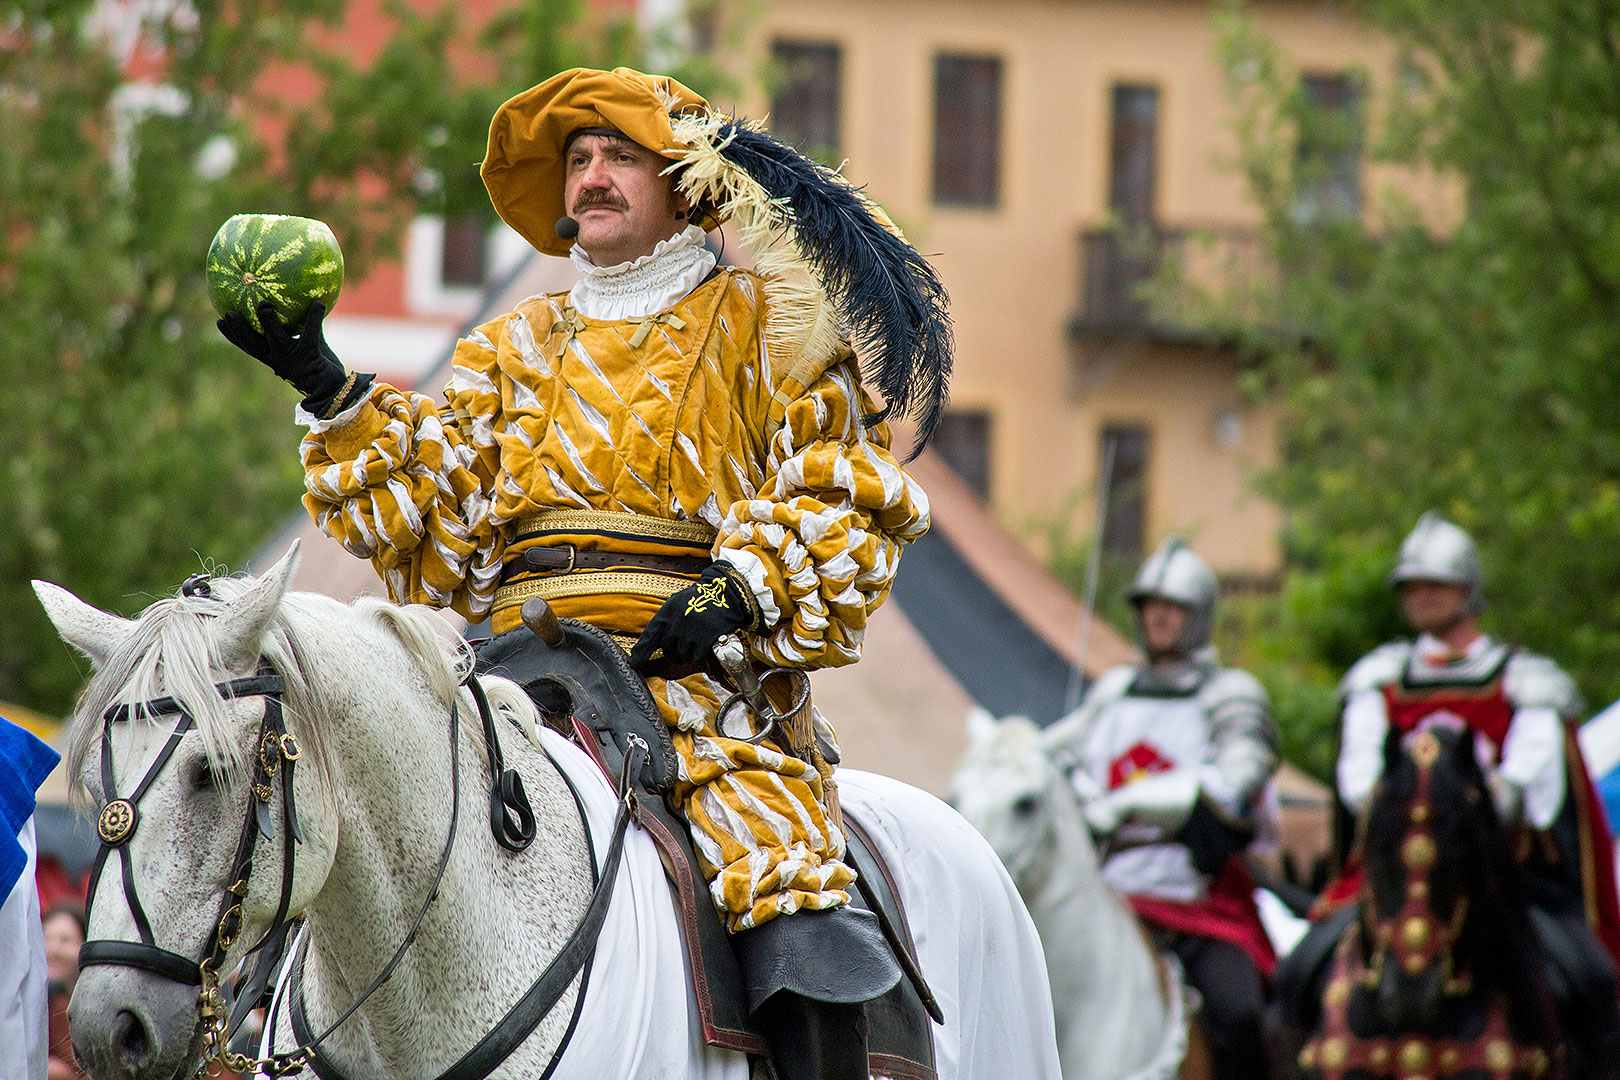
305	361
692	620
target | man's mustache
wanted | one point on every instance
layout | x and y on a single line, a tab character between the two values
590	199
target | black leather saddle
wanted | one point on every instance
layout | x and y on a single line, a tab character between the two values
586	689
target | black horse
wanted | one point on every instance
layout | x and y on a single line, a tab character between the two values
1436	970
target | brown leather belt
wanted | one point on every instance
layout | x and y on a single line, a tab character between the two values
565	558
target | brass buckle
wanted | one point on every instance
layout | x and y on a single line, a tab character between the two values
230	924
269	755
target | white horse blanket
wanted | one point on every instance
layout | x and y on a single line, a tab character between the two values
975	942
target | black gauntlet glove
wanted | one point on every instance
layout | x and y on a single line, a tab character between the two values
692	620
305	361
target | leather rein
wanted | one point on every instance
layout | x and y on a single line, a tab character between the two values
511	820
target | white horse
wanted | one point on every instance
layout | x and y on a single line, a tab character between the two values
1120	1010
368	698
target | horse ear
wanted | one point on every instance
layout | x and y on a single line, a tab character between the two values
1465	754
981	725
1392	750
239	633
94	632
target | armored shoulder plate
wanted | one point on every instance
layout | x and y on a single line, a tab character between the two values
1234	695
1380	667
1534	681
1243	739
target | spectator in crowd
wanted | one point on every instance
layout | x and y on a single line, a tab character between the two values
65	932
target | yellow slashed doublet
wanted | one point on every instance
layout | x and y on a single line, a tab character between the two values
665	435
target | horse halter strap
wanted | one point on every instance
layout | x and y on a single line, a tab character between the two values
1415	936
276	753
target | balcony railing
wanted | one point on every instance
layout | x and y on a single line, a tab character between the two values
1201	278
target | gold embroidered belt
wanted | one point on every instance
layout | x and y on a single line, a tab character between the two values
612	524
569	553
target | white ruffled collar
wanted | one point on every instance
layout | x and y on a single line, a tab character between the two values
643	286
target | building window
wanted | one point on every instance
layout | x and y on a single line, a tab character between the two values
1133	153
962	438
1328	157
466	243
804	109
967	130
1123	467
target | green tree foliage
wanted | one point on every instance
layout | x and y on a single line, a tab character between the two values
140	446
1466	364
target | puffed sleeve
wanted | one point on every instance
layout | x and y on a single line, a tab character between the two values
404	481
820	542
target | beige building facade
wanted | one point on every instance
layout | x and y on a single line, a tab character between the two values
1011	140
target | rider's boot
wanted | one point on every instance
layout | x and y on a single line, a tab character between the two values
807	977
814	1040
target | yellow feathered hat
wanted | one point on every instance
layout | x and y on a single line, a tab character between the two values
834	264
523	168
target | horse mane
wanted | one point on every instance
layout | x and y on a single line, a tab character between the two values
171	650
1014	738
1497	938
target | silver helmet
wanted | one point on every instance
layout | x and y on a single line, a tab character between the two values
1437	550
1175	574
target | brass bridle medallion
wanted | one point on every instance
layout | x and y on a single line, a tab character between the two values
116	822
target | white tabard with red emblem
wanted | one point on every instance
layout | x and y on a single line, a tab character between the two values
1133	738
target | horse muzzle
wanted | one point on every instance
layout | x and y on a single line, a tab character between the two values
129	1024
1410	1002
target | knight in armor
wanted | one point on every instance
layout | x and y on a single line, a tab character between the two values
1521	708
671	451
1172	755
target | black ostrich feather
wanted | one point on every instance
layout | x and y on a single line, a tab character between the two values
885	292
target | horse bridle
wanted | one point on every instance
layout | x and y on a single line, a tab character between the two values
1415	936
276	752
511	820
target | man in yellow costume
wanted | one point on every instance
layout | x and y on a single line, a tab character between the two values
671	451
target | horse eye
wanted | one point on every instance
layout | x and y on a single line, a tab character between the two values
1025	805
202	777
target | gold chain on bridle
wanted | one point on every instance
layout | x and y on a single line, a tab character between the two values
217	1056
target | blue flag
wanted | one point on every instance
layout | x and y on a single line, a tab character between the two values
25	762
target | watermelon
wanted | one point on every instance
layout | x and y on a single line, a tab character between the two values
289	261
